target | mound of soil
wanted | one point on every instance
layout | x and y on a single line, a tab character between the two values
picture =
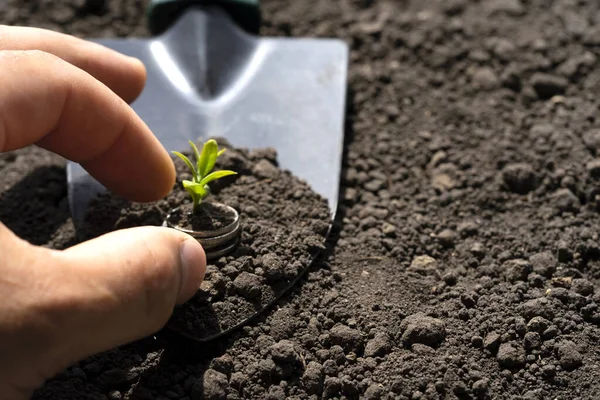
284	226
208	216
466	259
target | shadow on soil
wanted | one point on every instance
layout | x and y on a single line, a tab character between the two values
36	206
179	350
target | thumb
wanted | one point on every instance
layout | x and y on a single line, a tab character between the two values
66	305
124	285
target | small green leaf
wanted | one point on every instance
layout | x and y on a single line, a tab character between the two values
196	187
195	149
216	175
202	173
186	161
196	190
208	158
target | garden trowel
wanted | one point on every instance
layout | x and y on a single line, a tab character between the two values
211	75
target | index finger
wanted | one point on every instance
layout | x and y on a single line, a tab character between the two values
124	75
46	101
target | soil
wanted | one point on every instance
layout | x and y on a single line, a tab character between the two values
465	260
207	217
284	225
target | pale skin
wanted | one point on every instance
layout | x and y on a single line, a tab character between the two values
72	98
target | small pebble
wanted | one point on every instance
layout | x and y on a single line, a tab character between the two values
519	178
547	85
543	263
569	355
511	355
593	168
420	328
379	346
447	237
347	338
565	200
486	79
491	342
532	340
423	265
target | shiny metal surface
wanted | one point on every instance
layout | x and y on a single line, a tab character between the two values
207	77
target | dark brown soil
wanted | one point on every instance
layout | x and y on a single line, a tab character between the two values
465	262
207	217
284	226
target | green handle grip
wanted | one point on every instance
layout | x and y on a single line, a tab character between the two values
162	13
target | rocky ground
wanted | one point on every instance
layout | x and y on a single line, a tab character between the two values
465	262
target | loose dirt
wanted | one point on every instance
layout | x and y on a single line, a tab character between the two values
284	226
208	216
465	261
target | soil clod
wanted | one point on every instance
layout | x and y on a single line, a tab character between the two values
420	328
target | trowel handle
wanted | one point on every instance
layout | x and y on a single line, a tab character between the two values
162	13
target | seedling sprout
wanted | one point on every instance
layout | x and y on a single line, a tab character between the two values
202	173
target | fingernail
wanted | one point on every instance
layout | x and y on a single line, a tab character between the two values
193	266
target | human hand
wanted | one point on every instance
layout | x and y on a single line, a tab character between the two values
70	96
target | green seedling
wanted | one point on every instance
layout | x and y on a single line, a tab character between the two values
202	173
